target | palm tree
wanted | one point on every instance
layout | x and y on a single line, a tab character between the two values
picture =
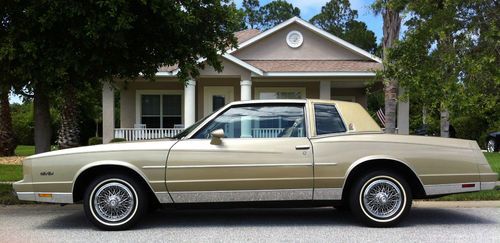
391	13
69	132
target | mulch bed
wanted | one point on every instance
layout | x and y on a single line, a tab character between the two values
12	160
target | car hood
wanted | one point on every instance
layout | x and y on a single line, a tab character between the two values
150	145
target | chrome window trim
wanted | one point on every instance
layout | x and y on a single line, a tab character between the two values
315	134
238	103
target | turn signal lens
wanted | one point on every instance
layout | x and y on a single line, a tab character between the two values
45	195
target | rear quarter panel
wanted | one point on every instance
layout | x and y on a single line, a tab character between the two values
434	160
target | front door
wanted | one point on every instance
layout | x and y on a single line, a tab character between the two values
265	156
216	97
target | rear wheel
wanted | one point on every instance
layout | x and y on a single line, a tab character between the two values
115	202
491	146
380	199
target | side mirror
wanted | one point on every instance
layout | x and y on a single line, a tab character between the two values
216	137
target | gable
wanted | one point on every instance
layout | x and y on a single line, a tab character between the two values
314	47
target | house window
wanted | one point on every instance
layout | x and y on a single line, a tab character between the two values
280	93
161	111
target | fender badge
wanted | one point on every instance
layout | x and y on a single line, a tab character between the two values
46	173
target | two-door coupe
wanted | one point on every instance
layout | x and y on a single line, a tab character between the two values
311	152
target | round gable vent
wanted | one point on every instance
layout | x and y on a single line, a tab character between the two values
294	39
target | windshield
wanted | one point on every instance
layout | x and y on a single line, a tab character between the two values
190	128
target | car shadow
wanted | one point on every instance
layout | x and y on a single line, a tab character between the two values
275	217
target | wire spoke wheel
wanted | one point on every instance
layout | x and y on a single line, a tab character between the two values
491	146
113	202
382	198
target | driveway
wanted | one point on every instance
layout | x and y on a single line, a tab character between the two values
52	223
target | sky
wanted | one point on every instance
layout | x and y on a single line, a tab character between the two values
309	8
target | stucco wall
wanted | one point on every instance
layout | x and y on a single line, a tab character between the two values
314	47
201	83
358	93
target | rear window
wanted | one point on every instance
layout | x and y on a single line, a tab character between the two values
327	119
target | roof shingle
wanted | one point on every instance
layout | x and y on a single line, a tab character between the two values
315	65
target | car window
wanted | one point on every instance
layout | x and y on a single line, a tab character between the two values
328	119
258	121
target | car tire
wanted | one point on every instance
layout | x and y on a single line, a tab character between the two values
380	198
491	146
115	202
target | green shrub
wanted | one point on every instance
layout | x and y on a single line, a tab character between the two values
95	140
117	140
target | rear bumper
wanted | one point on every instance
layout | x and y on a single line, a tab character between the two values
488	182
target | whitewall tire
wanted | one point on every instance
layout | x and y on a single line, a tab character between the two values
115	202
380	198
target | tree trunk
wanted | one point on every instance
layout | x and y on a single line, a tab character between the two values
7	139
390	95
43	130
69	132
445	123
392	26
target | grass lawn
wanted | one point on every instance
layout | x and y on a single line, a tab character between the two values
11	172
494	160
25	150
7	196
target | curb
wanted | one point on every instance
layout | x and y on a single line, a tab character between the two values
456	204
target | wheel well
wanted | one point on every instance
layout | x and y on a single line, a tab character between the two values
416	186
86	177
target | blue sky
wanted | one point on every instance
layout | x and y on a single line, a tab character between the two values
309	8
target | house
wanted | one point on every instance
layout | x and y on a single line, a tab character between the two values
292	60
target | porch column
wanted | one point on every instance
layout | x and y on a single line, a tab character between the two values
108	113
246	89
325	89
403	119
189	103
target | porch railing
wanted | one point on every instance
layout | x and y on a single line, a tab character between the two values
270	132
132	134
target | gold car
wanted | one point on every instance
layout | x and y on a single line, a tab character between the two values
314	152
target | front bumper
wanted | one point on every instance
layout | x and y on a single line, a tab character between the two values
24	192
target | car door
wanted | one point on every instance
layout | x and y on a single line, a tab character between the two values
265	155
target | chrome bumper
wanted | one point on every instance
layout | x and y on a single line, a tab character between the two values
48	197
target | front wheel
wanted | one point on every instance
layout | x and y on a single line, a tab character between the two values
380	199
115	202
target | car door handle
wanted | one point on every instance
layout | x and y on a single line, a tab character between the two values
302	147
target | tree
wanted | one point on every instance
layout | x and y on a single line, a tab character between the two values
277	12
252	14
338	18
334	17
449	58
391	13
65	45
7	140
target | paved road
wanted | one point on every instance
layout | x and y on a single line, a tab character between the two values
50	223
